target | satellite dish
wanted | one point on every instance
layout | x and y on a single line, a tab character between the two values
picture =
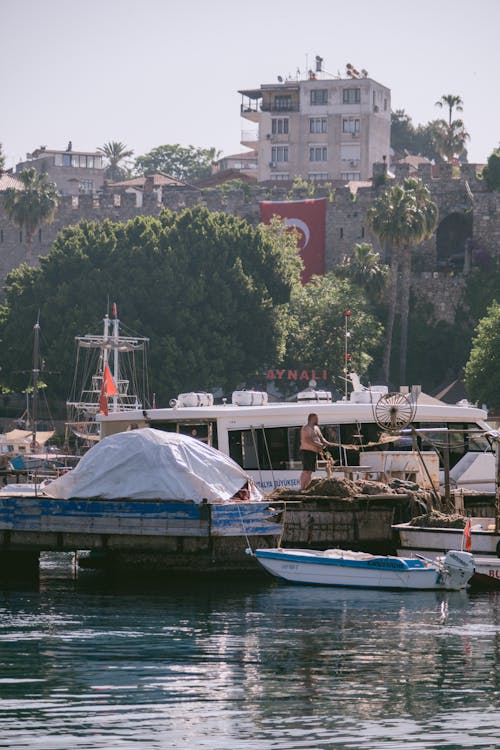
280	79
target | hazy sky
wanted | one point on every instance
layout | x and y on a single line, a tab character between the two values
150	72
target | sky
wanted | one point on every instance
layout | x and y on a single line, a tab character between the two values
153	72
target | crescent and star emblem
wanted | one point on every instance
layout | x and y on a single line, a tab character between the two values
301	226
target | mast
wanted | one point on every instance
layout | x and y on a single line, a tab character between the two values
36	373
116	361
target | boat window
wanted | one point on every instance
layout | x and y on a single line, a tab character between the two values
260	448
204	431
477	441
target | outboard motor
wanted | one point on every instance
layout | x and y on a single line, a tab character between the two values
458	569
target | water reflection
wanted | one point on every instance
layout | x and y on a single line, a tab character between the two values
97	663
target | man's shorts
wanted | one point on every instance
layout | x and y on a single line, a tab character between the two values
309	460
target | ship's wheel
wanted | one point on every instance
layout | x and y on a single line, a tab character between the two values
393	412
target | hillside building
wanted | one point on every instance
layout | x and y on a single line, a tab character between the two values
322	128
74	172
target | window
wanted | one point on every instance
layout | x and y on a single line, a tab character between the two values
1	235
117	200
66	160
39	235
349	176
319	96
351	125
86	186
283	102
90	162
318	153
385	105
279	126
277	176
351	96
279	153
316	176
58	160
341	233
318	125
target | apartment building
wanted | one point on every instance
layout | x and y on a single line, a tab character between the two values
321	128
74	172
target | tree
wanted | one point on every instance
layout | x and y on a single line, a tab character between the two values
481	372
2	159
403	216
450	139
188	164
34	205
115	152
208	289
452	101
316	335
491	171
408	139
366	271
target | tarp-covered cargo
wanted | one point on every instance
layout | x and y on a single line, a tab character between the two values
151	464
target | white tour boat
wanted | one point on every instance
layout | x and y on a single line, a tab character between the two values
336	567
264	437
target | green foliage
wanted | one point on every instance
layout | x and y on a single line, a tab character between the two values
2	159
317	327
408	139
209	290
187	164
115	152
451	101
366	271
301	185
450	139
491	171
403	216
481	372
437	350
36	204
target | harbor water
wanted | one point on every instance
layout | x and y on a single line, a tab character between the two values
90	662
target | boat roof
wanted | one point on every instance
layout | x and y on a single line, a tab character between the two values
428	410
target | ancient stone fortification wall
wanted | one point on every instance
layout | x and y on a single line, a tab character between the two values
459	195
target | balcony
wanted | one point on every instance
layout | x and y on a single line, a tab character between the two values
279	107
249	138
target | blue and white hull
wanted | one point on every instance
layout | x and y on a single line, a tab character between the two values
361	570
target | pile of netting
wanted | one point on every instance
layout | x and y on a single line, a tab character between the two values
435	519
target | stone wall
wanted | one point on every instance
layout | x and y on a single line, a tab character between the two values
455	193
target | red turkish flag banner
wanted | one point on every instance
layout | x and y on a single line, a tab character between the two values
309	218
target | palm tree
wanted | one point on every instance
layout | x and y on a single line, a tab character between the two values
452	101
32	206
115	152
403	216
366	270
450	139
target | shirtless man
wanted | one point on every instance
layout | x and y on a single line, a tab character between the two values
311	443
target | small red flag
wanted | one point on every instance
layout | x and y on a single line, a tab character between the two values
468	537
108	388
114	310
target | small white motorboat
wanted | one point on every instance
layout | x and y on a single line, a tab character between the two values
337	567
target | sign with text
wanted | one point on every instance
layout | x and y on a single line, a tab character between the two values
309	218
298	374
